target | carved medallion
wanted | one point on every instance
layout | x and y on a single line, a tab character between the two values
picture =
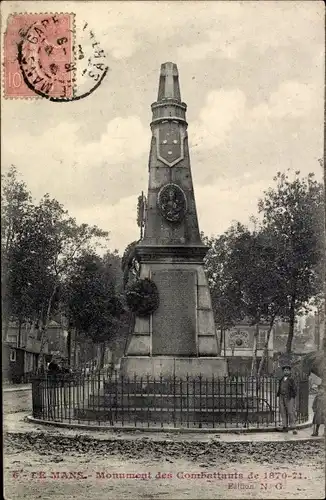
172	202
238	338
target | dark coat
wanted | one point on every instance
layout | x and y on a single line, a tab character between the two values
292	390
319	409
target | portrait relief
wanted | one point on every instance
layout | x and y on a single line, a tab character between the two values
172	202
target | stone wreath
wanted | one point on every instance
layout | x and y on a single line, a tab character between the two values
142	297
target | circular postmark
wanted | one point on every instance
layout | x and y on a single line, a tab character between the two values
172	202
59	62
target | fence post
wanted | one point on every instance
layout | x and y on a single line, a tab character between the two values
37	397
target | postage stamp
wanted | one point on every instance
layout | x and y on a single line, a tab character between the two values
50	56
41	48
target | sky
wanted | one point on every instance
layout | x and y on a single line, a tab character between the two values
251	73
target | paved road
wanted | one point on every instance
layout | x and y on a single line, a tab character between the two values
16	400
40	453
16	387
61	467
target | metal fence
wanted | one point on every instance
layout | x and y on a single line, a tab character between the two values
109	399
40	373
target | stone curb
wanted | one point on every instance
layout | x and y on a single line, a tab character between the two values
232	430
114	434
16	389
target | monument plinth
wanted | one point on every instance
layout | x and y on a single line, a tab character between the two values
179	337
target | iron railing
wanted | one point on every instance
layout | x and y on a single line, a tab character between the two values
110	399
28	377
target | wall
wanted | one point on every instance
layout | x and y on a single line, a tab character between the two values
16	368
239	340
30	362
29	338
241	365
13	371
5	362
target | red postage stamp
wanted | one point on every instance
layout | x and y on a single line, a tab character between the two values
38	56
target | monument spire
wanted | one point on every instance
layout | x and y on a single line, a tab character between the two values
171	217
171	253
169	87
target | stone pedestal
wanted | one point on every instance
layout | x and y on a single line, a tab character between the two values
167	367
179	338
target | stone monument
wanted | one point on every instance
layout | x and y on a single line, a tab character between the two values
179	338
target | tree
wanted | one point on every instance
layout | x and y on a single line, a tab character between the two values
252	264
91	300
112	261
40	242
16	205
293	215
60	241
225	293
244	280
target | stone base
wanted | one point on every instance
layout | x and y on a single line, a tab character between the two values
183	325
168	367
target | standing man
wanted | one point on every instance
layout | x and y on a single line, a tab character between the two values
286	393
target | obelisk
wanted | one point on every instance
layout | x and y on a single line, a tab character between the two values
179	337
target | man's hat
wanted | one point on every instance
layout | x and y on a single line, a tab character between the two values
286	365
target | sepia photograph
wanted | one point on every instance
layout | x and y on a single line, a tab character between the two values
163	242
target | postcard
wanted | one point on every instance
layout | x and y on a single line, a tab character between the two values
163	249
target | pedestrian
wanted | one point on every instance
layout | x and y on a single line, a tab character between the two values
318	407
286	393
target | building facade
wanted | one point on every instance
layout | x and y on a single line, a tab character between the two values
239	340
237	346
21	349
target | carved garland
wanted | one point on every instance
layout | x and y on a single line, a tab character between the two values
142	297
129	263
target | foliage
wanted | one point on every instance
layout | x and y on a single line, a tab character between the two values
91	302
40	243
15	202
243	279
312	362
16	205
112	261
142	297
275	270
293	214
225	293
